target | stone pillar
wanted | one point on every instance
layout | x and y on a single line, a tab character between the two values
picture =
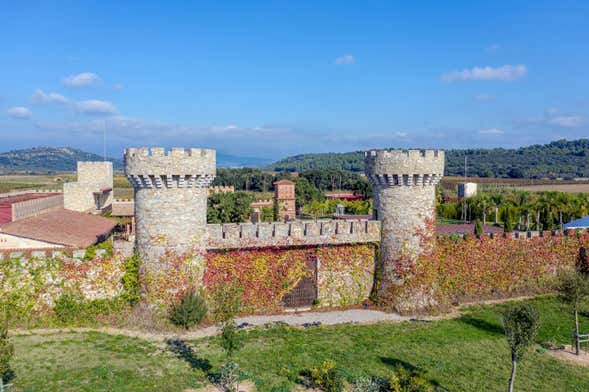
403	193
170	210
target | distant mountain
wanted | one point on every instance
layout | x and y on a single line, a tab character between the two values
64	159
224	160
48	159
559	159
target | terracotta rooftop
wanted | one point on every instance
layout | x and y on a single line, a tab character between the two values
7	202
283	182
465	228
64	227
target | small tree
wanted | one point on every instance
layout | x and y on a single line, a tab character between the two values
227	304
478	227
521	323
507	223
6	348
190	310
275	211
573	287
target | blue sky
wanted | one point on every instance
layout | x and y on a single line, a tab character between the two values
270	79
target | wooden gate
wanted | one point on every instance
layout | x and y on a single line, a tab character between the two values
304	293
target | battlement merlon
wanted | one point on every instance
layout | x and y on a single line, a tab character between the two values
404	167
155	168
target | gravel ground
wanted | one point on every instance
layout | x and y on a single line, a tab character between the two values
357	316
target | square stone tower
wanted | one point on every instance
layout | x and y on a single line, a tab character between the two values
284	195
93	191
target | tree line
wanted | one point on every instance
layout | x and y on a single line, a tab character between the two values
519	209
558	159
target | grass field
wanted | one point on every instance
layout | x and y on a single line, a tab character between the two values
463	354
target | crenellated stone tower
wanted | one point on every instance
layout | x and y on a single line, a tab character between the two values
403	193
170	201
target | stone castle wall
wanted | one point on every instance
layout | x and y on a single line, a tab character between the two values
35	279
171	203
276	234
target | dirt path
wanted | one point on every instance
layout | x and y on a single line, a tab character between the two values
349	316
356	316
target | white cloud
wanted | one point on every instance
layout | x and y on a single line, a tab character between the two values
95	107
19	112
346	59
491	131
83	79
492	49
401	134
118	86
504	73
484	97
555	117
567	121
42	97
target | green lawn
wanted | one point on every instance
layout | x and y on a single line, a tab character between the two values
465	354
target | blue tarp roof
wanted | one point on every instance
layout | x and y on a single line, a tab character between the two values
578	224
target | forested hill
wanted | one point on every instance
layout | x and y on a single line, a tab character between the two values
562	158
47	159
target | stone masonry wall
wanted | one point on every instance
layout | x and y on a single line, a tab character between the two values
32	281
326	232
171	192
92	177
32	207
404	201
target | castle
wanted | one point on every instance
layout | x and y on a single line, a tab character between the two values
171	211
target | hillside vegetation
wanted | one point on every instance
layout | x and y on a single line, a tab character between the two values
47	160
559	159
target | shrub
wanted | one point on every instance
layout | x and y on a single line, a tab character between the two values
368	384
190	310
230	339
478	227
105	245
326	377
404	380
69	307
229	377
6	349
72	308
227	302
130	280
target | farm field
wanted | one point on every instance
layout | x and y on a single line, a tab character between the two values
468	353
569	188
14	182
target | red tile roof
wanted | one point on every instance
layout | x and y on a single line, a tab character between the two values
7	202
343	196
283	182
64	227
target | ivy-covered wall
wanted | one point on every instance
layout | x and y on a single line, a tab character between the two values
344	273
32	285
473	269
457	270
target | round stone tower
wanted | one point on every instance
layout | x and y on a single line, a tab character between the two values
404	199
170	201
